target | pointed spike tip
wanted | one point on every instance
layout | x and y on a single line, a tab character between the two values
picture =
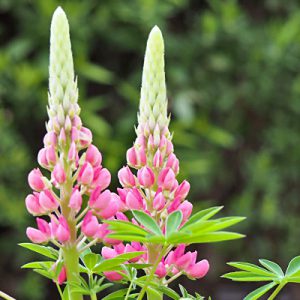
59	12
155	36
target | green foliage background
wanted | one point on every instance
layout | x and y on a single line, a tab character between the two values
234	92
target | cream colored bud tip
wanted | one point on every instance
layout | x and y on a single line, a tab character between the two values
155	33
59	13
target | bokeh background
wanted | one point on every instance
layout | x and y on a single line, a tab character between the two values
234	93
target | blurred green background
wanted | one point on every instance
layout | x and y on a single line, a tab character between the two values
234	94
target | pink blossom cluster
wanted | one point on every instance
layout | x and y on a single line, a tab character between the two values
155	190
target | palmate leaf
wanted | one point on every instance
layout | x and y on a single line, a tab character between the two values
244	266
256	294
147	221
272	266
114	263
173	221
43	250
248	276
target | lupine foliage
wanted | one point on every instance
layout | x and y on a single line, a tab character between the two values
234	99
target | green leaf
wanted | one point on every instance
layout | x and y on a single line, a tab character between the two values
38	265
116	295
147	221
173	221
247	276
127	237
90	260
272	266
250	268
293	268
203	215
110	264
256	294
43	250
212	237
123	226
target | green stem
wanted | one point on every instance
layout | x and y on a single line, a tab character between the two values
6	297
60	291
128	291
93	297
277	290
70	252
153	269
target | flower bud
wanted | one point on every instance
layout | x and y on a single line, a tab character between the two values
72	152
146	177
75	200
36	236
85	137
157	159
173	163
101	178
51	154
93	156
86	174
113	276
90	225
35	180
126	177
42	158
100	200
199	269
161	271
166	179
159	201
62	232
186	208
131	156
62	277
47	201
44	227
33	205
182	190
59	174
110	210
134	200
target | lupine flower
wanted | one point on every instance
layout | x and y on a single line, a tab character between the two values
74	163
153	188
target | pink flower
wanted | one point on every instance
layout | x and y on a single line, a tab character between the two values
59	174
108	253
186	208
126	177
157	159
75	200
62	277
100	200
131	156
42	158
182	190
50	138
161	270
134	200
199	269
36	236
166	179
85	137
90	225
113	276
62	232
44	227
110	210
146	177
51	154
173	163
86	174
93	156
72	152
47	201
35	180
159	201
101	178
33	205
